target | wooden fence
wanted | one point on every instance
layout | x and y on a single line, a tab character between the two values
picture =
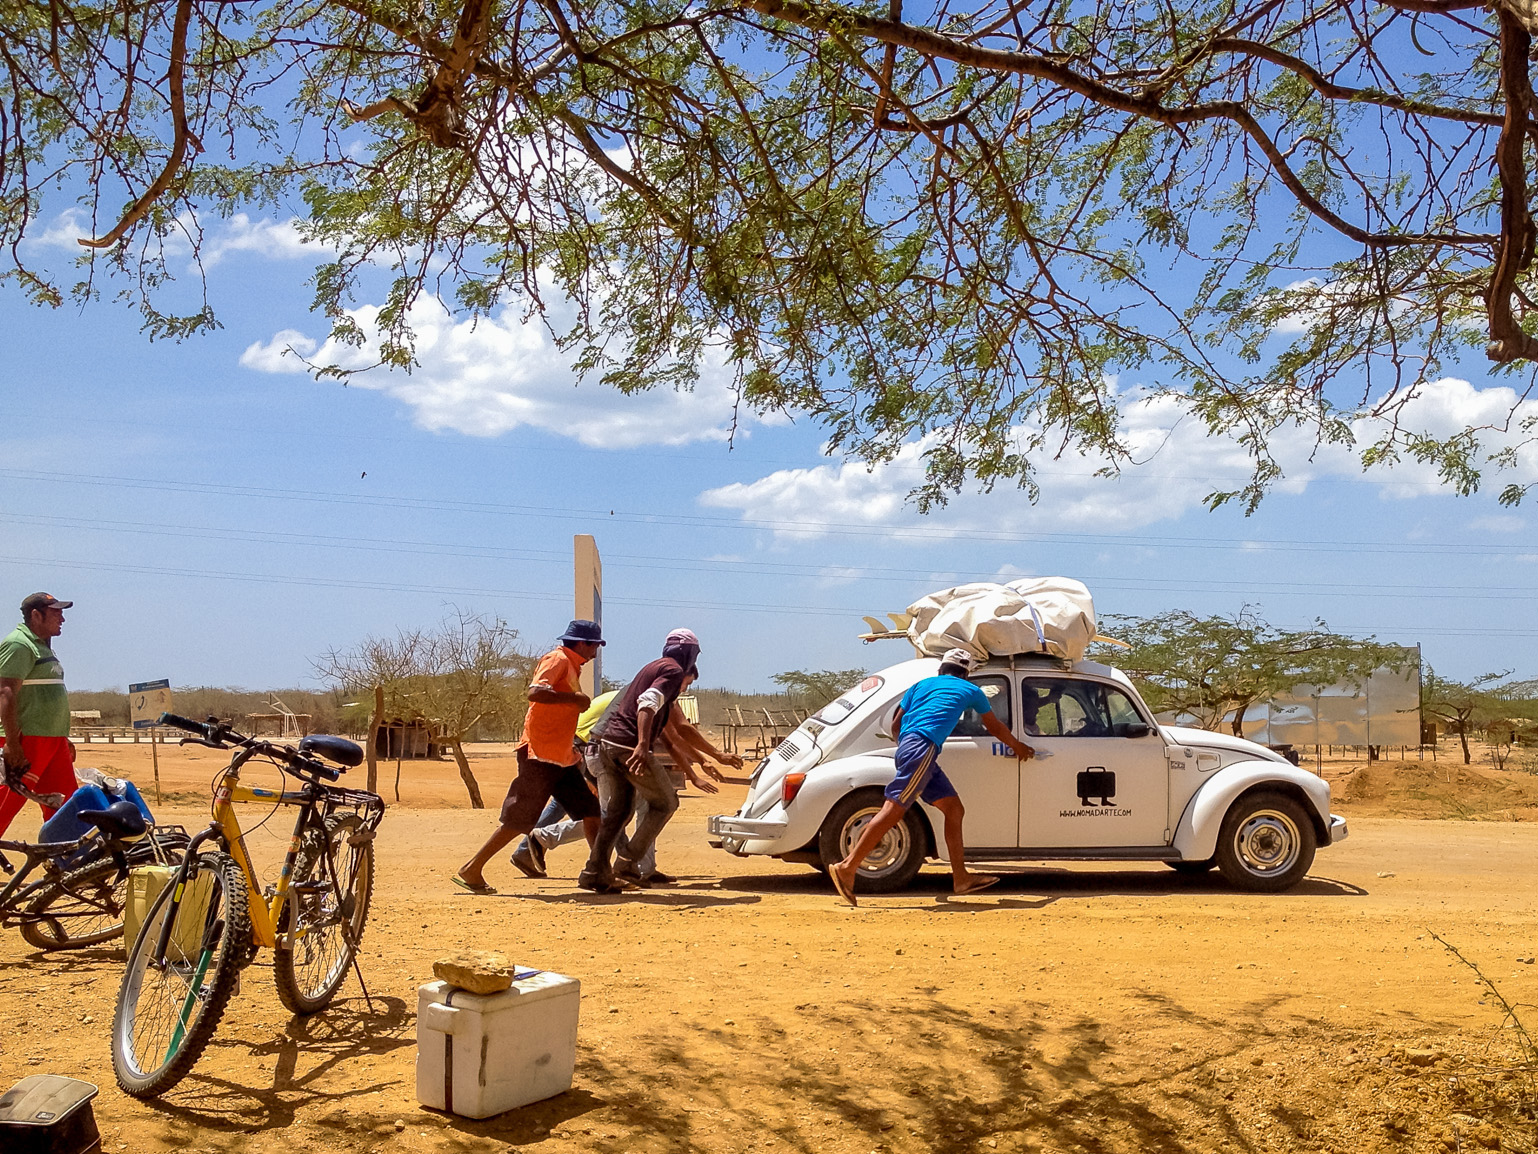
112	734
755	732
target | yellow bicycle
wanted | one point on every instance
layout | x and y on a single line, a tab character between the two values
211	918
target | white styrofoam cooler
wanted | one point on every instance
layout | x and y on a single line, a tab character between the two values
478	1055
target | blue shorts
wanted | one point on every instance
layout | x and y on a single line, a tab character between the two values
918	773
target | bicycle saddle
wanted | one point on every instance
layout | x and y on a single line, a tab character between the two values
337	749
120	821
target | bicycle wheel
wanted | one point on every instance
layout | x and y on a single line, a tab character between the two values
325	913
166	1014
83	908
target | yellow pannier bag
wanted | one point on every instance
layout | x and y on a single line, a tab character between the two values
145	884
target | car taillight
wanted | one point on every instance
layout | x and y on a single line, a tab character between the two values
791	786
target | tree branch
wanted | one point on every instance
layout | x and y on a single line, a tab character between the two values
934	44
1514	250
1333	91
182	138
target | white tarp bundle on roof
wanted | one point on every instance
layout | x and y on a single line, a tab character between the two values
1053	615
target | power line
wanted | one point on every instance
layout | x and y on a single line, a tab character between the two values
568	449
931	533
324	582
644	562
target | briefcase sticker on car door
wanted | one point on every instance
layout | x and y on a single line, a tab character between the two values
1096	788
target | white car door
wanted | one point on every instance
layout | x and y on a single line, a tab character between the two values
1104	781
988	782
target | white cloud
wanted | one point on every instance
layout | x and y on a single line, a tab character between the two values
1315	301
64	233
285	353
1503	523
1179	465
263	237
1299	322
273	239
487	377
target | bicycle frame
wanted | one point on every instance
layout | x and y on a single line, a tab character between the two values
185	973
36	853
265	915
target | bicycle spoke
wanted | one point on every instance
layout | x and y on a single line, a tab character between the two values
327	908
83	908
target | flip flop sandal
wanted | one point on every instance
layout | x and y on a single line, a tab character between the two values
846	894
979	888
482	890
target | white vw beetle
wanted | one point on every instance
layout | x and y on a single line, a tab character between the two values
1109	783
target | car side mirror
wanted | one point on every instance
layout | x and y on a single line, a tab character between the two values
1135	729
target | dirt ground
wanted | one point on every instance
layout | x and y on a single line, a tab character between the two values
1084	1008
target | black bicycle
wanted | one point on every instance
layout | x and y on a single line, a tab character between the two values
202	930
81	892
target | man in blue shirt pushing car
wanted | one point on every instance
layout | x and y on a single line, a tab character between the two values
925	717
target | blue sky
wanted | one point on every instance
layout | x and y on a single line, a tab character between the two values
208	508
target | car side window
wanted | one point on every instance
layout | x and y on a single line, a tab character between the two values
1048	707
1123	714
996	690
1062	707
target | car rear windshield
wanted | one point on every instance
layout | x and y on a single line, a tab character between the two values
837	711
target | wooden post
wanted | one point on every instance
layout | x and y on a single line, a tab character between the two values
372	744
471	785
155	758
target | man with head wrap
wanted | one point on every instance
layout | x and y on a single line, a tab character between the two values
624	765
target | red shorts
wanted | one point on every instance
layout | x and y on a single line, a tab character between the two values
52	771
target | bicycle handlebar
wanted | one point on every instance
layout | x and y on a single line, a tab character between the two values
186	723
216	735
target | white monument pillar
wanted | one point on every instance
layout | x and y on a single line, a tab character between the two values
588	584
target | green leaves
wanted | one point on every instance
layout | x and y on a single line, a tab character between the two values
977	233
1212	666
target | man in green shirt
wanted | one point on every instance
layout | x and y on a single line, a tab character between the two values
34	708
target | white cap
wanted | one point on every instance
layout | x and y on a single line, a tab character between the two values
959	657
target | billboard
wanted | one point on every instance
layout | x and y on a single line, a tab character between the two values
1384	710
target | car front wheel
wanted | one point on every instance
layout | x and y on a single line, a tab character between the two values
897	857
1266	844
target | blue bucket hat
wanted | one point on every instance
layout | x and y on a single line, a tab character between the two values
583	631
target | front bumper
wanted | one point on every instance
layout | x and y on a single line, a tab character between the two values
741	829
1338	830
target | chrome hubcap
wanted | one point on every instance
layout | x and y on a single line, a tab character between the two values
890	852
1268	842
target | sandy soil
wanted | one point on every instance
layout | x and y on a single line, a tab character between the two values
1082	1008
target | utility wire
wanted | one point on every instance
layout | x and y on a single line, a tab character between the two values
326	582
935	533
620	561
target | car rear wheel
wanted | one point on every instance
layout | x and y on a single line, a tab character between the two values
898	856
1266	844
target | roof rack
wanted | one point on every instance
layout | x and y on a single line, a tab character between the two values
1036	657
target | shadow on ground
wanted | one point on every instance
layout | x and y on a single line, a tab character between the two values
1046	883
204	1105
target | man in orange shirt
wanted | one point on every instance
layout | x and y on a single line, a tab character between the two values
547	757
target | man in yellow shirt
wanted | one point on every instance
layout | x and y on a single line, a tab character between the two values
684	737
548	760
